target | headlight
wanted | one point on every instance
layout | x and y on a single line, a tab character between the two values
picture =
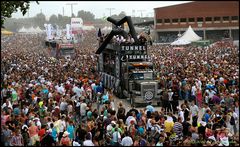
137	92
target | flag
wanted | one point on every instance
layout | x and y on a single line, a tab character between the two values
99	33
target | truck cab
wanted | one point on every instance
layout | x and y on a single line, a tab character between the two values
140	82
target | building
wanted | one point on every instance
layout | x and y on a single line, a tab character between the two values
212	20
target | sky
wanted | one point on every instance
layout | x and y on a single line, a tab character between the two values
98	8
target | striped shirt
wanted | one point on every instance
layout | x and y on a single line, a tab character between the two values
17	140
178	128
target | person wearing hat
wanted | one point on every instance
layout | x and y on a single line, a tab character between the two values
65	140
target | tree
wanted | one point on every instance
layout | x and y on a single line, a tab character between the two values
40	20
53	19
9	7
86	15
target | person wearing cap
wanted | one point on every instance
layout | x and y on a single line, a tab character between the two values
65	140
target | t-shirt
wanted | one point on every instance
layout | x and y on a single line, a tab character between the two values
194	110
127	141
33	130
41	133
177	128
168	126
116	136
83	108
206	116
88	143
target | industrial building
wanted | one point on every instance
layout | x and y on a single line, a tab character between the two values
212	20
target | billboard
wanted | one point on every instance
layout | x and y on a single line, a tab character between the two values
76	25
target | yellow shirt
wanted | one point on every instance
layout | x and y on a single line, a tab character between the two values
168	126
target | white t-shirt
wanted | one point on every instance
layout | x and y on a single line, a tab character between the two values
77	90
127	141
83	108
149	124
170	94
181	114
116	136
62	125
88	143
194	110
193	91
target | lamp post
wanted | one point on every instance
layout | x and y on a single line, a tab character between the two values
71	7
110	10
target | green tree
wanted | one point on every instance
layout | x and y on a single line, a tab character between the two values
53	19
39	20
86	15
9	7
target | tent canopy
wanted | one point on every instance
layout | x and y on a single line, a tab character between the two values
180	42
190	35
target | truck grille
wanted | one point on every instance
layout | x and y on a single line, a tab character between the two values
148	91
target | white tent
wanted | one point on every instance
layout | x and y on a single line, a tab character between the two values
22	30
180	42
190	35
38	30
31	30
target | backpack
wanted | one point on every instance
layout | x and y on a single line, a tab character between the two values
232	121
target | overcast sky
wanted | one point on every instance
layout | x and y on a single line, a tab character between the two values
98	8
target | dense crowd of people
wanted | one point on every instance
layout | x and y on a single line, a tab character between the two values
49	102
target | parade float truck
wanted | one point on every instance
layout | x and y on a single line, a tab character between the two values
61	49
126	68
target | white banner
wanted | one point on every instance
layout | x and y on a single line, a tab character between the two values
49	31
76	24
68	31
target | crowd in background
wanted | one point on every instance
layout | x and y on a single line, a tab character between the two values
45	101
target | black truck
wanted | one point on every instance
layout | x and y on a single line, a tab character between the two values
126	67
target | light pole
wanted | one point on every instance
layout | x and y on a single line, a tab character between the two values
141	12
71	7
110	10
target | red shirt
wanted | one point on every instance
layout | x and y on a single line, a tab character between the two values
41	133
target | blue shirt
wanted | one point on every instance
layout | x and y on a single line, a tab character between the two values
207	116
54	134
150	108
70	129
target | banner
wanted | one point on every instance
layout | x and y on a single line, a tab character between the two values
68	31
49	31
76	25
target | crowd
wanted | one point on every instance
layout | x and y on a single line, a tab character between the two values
48	102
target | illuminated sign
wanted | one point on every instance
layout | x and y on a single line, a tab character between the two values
133	48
